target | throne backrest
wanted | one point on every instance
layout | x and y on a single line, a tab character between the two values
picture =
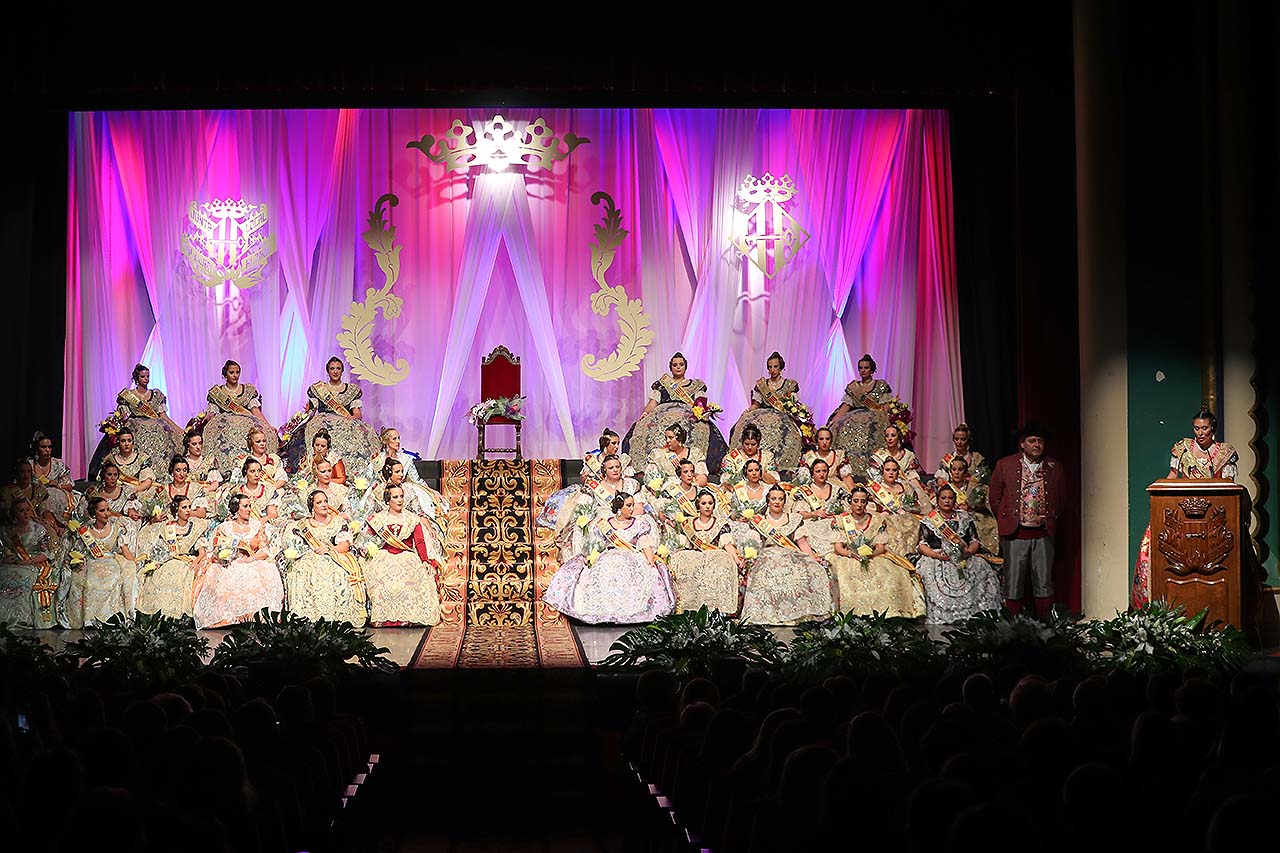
499	374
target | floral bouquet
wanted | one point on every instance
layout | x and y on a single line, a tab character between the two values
291	426
803	418
981	473
900	416
704	411
226	556
742	510
506	407
111	425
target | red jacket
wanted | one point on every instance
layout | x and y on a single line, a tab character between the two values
1005	494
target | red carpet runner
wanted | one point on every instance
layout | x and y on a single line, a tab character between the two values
498	564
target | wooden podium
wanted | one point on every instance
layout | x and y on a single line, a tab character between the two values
1201	554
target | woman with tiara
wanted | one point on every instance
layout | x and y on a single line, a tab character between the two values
180	485
335	407
677	399
778	416
202	468
858	423
593	460
400	576
242	577
893	449
430	502
590	502
234	409
261	497
146	413
62	501
322	451
338	498
903	501
322	579
870	578
619	579
961	438
32	585
255	446
122	500
133	466
706	565
663	461
435	528
171	555
107	581
732	470
837	465
787	582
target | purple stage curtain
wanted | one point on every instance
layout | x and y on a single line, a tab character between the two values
504	258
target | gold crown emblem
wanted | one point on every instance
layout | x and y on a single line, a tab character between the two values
755	190
497	144
227	241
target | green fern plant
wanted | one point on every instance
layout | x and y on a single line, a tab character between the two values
849	643
149	652
301	646
689	643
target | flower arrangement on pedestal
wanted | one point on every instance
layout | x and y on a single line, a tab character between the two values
506	407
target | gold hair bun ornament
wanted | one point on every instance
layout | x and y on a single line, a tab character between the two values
633	322
497	145
356	337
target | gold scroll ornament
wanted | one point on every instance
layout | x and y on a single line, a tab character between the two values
633	322
356	337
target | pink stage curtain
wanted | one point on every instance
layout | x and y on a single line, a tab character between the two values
504	259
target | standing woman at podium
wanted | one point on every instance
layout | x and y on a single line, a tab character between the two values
1196	458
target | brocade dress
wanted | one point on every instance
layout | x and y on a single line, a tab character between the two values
1220	463
168	585
733	468
860	431
703	572
837	466
61	504
323	586
613	582
868	584
908	463
153	436
400	577
780	432
237	584
228	420
785	586
106	583
353	440
675	406
32	596
954	592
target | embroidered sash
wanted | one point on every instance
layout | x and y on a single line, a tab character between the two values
326	395
1196	469
134	401
43	587
697	538
679	392
224	401
384	532
771	534
592	469
612	536
816	504
885	497
935	521
348	563
97	547
770	395
864	399
686	505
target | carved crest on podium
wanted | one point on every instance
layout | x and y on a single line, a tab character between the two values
1196	540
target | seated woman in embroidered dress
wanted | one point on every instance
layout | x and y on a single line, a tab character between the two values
961	437
180	485
30	578
705	564
63	502
957	582
324	581
147	417
663	460
262	495
337	409
971	497
25	487
751	496
908	464
869	577
675	399
1196	458
432	503
783	428
243	578
731	470
122	501
593	460
859	421
838	467
177	554
133	466
619	580
821	500
108	582
255	442
393	474
202	468
589	503
322	451
787	582
336	495
401	578
559	509
902	502
234	408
